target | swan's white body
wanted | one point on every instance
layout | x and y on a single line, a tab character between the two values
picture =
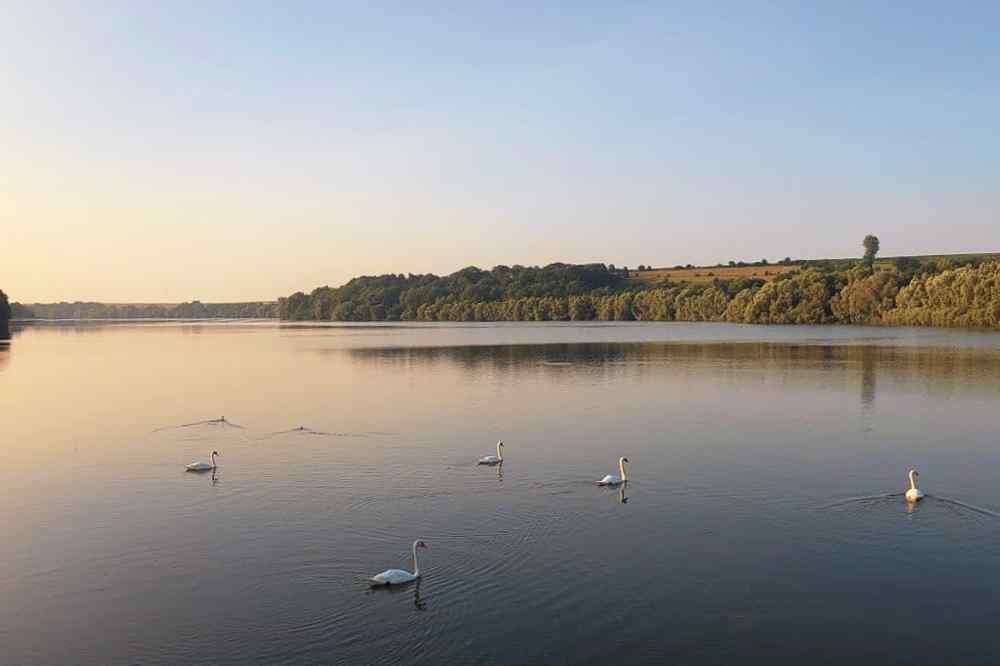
493	460
914	494
202	466
398	576
611	479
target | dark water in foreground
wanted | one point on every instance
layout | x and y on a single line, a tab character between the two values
732	542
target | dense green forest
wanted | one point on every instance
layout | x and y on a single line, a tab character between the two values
5	316
422	297
192	310
904	291
924	291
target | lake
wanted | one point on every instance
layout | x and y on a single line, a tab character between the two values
763	520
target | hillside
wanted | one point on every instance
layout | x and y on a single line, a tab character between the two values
708	274
935	290
769	271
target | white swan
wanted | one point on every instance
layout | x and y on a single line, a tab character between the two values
611	479
398	576
493	460
201	466
914	494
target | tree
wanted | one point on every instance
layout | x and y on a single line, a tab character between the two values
907	265
938	293
870	244
867	296
4	315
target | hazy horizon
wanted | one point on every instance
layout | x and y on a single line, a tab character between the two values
166	154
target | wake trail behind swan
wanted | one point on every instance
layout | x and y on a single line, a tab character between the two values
864	498
970	507
221	421
938	498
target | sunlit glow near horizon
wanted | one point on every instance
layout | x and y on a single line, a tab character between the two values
159	153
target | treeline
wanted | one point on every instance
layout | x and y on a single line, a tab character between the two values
191	310
904	292
405	297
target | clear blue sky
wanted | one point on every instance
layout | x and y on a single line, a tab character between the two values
246	150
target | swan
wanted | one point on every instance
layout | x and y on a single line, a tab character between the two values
914	494
493	460
398	576
203	467
611	479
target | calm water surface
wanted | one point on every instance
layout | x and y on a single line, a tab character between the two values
737	538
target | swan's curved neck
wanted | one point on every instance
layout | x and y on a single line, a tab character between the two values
416	565
621	468
499	451
913	481
213	459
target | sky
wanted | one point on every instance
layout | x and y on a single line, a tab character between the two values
161	152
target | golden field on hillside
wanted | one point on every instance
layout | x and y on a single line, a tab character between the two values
705	274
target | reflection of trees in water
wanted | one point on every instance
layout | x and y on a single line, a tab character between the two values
869	371
4	355
939	369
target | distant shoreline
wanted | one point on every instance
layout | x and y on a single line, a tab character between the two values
950	291
934	291
28	323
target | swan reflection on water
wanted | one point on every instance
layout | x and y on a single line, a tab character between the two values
418	601
213	477
622	499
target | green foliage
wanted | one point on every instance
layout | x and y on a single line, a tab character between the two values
453	297
907	266
967	296
867	297
936	293
802	298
